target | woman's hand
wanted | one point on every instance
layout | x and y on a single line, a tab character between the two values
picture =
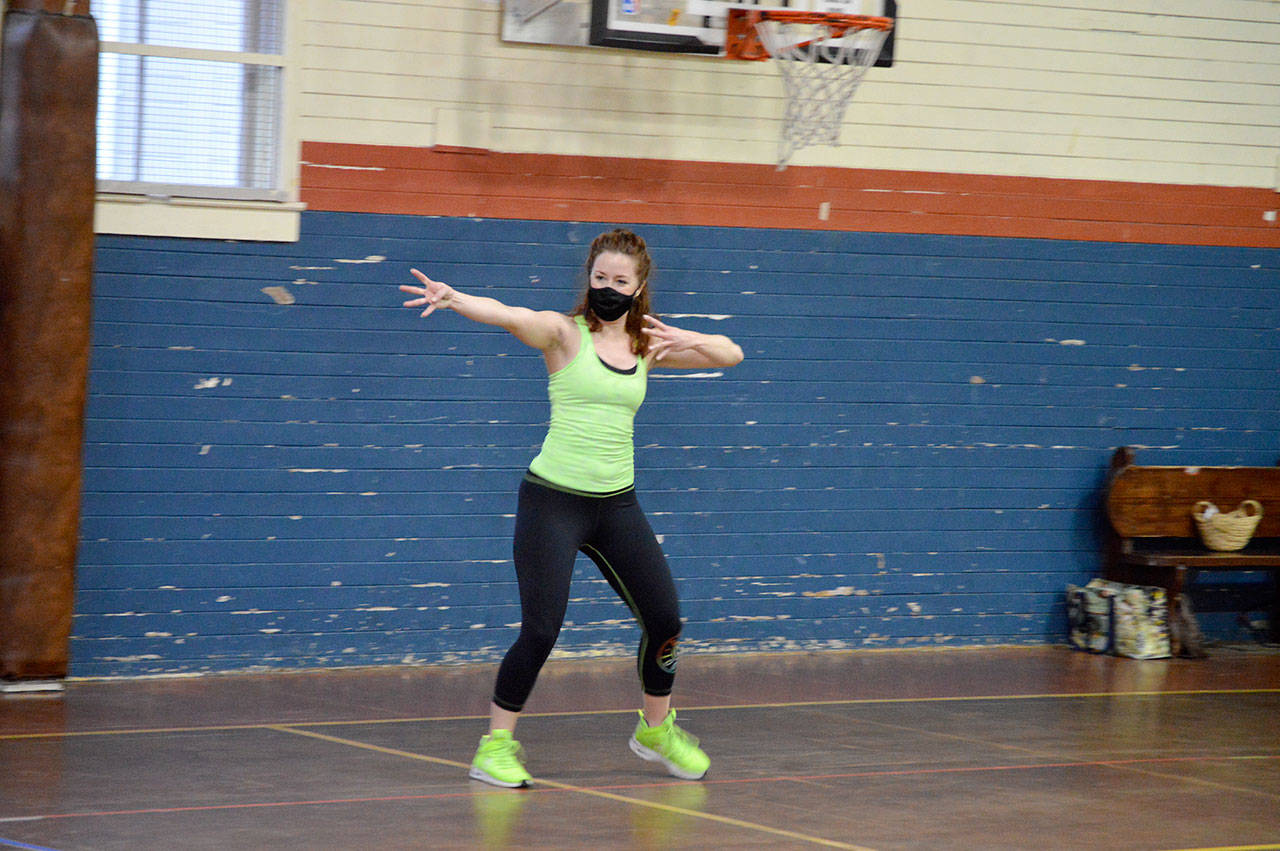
676	348
666	339
434	294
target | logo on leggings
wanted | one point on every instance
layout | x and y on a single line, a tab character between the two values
667	655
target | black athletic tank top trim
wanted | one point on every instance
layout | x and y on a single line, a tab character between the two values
534	478
613	368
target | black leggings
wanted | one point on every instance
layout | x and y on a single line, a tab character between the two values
551	527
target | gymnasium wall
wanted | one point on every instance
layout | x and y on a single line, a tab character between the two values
1056	234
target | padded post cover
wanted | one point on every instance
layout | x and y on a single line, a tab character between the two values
48	107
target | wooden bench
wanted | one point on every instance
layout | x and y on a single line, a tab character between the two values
1151	537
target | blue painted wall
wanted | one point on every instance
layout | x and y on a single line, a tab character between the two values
910	454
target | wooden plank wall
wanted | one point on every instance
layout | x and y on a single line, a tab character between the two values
445	182
287	469
1176	91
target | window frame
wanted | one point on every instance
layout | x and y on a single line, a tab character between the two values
201	211
232	57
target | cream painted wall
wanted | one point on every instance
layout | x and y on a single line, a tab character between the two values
1046	88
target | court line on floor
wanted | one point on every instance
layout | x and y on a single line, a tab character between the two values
551	786
584	790
1200	781
242	805
13	843
1233	848
798	704
1030	766
1124	765
542	786
868	701
970	769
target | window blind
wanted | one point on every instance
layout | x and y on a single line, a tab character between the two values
189	98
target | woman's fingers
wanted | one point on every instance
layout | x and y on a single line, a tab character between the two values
430	293
420	292
423	296
432	301
660	349
667	339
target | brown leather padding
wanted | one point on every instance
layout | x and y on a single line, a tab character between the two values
48	107
53	7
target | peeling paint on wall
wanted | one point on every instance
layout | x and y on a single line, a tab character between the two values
343	167
686	374
280	295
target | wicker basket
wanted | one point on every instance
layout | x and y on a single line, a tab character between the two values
1230	531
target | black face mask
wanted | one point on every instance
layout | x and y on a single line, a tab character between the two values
608	303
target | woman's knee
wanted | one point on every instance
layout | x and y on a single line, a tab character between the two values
666	653
539	639
664	625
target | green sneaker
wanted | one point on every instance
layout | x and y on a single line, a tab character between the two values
500	761
671	746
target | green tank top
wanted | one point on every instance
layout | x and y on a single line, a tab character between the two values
593	407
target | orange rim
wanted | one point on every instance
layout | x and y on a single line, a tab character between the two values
743	42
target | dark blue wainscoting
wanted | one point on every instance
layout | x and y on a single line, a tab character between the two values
285	468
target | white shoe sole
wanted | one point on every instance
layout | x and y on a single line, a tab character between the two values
477	774
653	756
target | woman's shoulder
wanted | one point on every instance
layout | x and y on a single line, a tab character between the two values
576	328
572	330
566	325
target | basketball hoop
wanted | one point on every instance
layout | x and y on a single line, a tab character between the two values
822	56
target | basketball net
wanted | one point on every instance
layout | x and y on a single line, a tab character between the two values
822	57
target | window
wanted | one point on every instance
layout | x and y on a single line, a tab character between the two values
190	98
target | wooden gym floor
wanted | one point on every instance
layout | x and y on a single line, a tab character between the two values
1037	748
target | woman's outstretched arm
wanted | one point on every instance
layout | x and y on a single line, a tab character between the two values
541	329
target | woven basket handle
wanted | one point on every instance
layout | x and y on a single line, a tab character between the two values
1248	504
1248	508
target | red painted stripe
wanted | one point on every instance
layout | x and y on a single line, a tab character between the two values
464	182
780	778
254	805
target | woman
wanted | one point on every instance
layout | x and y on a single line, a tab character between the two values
579	493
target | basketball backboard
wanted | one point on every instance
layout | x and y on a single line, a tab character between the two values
672	26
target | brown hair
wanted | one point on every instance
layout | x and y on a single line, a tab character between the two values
621	242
